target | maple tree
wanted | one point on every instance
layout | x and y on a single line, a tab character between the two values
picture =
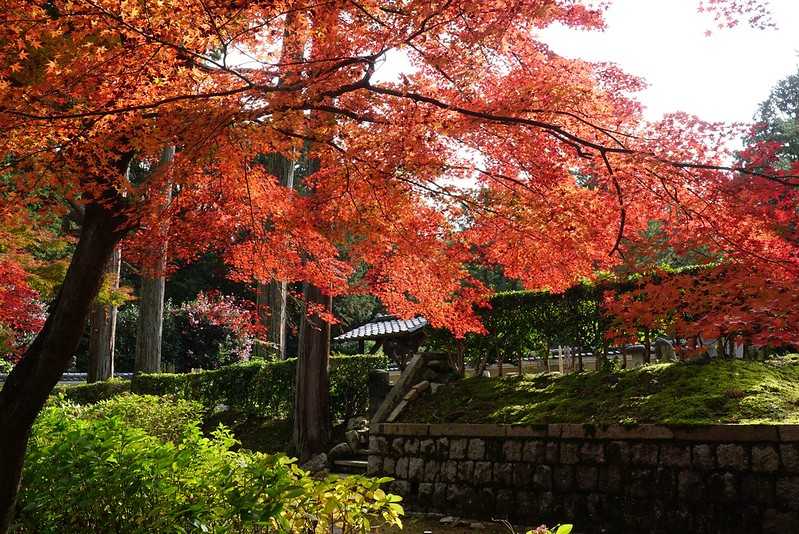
494	147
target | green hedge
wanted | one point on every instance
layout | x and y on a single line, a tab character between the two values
92	393
257	387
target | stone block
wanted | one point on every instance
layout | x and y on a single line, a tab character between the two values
416	469
426	492
412	446
553	452
592	452
757	488
442	448
457	448
675	455
378	444
427	448
788	492
704	456
569	453
731	456
586	477
640	432
542	477
512	451
788	433
690	486
449	471
401	468
563	478
527	505
493	451
722	487
505	503
389	466
610	479
644	454
375	465
466	472
440	495
776	521
400	487
765	458
477	449
642	483
523	475
617	452
468	430
727	433
431	470
485	503
398	447
483	473
503	474
534	452
527	431
457	494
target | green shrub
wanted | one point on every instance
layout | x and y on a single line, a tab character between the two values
266	388
88	470
5	366
95	392
164	418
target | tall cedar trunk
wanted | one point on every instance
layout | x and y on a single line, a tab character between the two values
149	327
272	296
647	346
28	386
312	392
103	326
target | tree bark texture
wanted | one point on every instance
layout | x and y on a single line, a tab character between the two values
149	327
30	383
273	295
103	326
312	391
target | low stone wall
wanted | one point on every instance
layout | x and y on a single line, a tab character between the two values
615	479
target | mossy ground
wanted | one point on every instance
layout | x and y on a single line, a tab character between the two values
719	391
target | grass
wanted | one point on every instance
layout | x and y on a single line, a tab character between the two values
719	391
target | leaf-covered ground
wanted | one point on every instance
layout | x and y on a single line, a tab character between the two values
679	393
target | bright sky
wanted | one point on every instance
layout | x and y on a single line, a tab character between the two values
719	78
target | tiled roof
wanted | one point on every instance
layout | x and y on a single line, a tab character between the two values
384	326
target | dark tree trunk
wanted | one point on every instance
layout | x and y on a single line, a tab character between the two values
103	326
647	346
28	386
312	394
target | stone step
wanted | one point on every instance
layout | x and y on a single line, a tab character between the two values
350	466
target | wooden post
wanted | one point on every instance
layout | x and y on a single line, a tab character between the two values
560	358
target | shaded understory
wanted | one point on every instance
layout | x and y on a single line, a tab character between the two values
719	391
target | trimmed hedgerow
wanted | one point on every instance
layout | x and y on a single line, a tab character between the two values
266	388
95	392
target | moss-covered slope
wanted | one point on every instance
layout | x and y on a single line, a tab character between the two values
684	393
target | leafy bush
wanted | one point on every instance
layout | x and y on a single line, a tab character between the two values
164	418
88	470
96	392
5	366
266	388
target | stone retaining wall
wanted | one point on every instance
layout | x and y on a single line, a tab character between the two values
647	479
